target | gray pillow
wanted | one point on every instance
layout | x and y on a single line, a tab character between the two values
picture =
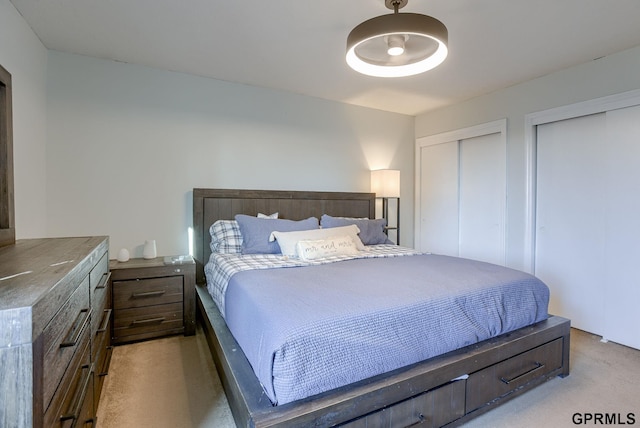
371	231
256	232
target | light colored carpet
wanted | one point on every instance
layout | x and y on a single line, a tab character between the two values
169	382
172	382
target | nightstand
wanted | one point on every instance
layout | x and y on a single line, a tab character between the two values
152	299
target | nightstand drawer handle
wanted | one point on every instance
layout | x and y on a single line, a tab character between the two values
148	321
76	329
149	294
104	280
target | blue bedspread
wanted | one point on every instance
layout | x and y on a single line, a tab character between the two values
310	329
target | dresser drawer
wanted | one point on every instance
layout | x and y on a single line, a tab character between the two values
99	285
72	404
61	338
147	322
499	379
102	332
99	272
147	292
103	350
100	311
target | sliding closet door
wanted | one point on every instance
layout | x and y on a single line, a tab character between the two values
439	198
570	237
588	221
482	199
461	196
622	248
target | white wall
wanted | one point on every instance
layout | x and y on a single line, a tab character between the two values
606	76
22	54
126	144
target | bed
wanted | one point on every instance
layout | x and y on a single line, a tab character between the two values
444	389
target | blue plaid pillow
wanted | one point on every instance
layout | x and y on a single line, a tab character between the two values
226	237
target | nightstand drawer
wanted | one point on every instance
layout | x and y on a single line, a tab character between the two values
147	292
147	321
152	299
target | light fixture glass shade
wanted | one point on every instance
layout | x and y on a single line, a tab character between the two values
425	45
385	183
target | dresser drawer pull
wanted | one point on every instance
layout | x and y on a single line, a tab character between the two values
148	321
76	329
104	280
107	363
148	294
105	321
80	395
538	366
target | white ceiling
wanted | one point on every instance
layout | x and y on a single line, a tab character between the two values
299	46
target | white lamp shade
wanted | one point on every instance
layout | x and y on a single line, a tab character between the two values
385	183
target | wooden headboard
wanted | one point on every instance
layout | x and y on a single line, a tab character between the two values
210	205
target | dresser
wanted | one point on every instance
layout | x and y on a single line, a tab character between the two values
55	318
153	298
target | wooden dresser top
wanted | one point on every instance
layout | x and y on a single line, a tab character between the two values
38	275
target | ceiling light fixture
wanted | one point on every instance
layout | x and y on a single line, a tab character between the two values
398	44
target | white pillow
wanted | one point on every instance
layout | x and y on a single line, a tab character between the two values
274	215
319	249
288	240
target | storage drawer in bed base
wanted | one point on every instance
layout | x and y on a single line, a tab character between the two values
443	405
509	375
433	408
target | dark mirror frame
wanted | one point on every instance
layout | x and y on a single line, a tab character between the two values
7	221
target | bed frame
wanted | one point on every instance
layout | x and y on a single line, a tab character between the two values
446	390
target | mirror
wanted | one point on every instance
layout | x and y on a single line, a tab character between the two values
7	223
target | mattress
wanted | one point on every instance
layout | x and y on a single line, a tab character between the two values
310	328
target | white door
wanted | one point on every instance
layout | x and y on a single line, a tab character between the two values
587	242
570	239
622	247
439	199
482	199
461	194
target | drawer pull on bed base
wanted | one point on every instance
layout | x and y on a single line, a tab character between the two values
421	420
538	366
